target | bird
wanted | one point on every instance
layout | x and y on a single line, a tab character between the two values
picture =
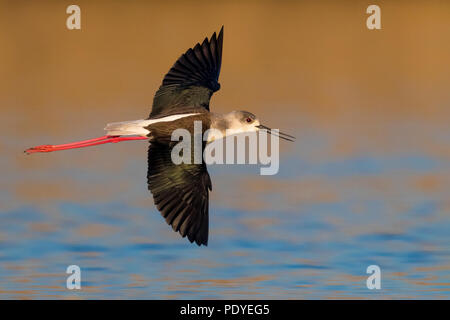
180	191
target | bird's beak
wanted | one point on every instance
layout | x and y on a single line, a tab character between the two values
280	134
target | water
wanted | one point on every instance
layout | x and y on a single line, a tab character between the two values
309	232
367	181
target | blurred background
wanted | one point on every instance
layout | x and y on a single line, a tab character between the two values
367	181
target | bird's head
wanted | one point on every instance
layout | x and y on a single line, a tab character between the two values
244	121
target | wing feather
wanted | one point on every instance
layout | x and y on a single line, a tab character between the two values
180	193
192	80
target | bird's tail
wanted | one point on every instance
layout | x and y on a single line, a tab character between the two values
127	128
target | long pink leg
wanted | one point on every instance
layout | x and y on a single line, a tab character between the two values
82	144
84	141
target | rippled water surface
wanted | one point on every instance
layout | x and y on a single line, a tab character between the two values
367	181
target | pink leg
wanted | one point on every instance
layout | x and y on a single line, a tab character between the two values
82	144
83	141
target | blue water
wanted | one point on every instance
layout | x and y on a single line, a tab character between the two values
309	232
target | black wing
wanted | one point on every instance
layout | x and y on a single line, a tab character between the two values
192	80
180	192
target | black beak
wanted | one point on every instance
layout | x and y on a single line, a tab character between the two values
280	134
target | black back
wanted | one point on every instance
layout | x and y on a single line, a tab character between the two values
190	83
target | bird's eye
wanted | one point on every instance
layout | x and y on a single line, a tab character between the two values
248	120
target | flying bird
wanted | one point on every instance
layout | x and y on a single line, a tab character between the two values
180	191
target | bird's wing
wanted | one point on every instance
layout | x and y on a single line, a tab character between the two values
180	192
190	83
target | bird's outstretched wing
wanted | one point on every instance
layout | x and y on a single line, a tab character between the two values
180	192
190	83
